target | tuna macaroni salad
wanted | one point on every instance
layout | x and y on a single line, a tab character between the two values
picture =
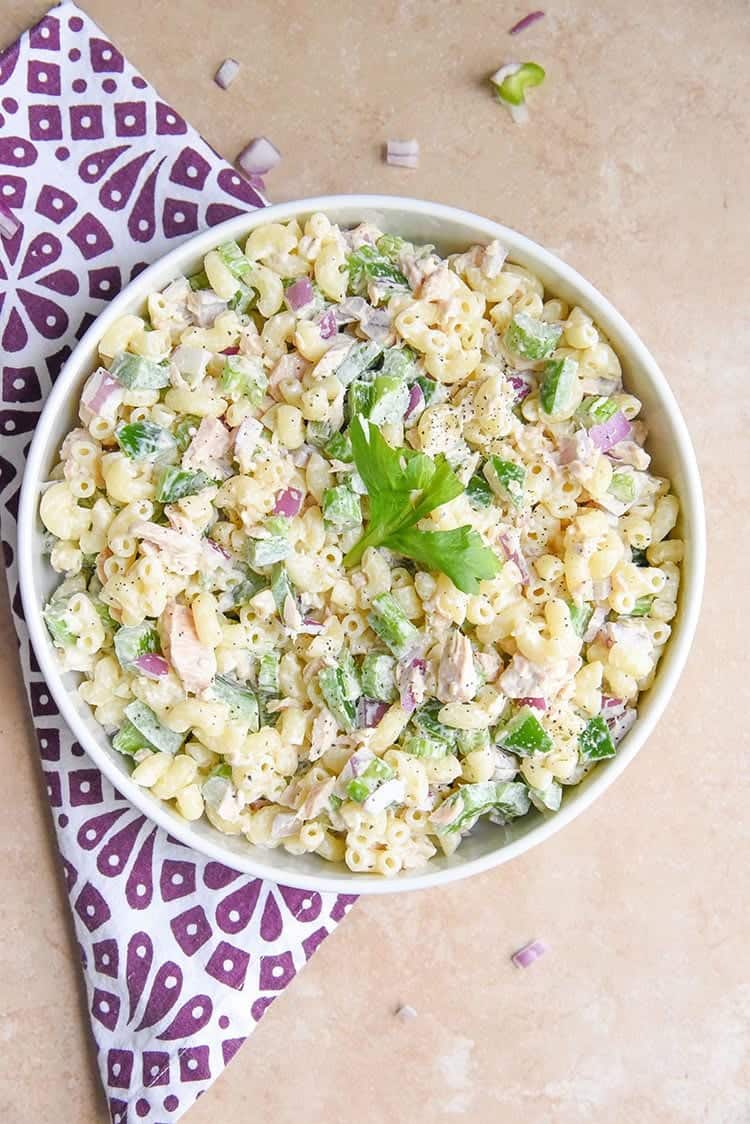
359	544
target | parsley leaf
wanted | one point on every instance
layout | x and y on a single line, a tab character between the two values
403	487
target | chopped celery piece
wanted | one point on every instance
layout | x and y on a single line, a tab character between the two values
426	721
351	684
281	587
105	616
129	740
595	742
358	399
242	300
199	280
242	702
359	358
400	362
468	741
268	674
529	338
224	771
333	686
341	508
175	483
547	799
55	618
376	773
318	433
506	478
391	245
137	373
379	677
277	524
264	552
420	746
185	430
642	607
510	798
135	641
235	261
149	726
580	615
392	625
390	397
622	486
369	264
339	448
248	585
513	87
429	388
478	491
243	375
559	387
145	441
594	410
525	735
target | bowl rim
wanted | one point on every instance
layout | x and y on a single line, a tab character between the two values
665	682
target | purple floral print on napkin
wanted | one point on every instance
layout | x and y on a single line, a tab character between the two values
181	956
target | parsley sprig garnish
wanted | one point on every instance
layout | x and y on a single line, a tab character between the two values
403	487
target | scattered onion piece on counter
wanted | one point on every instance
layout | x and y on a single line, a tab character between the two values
511	82
258	157
152	666
402	154
406	1013
529	953
288	503
527	21
227	73
9	224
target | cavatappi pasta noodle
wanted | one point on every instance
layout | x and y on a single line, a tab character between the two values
260	665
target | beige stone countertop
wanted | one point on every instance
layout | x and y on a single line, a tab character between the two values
635	168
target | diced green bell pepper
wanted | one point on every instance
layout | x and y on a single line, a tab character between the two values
149	726
242	702
525	735
145	441
137	373
174	483
595	742
341	508
506	478
134	641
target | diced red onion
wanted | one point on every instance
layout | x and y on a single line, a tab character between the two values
598	617
152	666
527	21
9	224
227	73
402	154
529	953
537	704
301	456
370	712
259	157
327	325
608	433
310	626
288	503
521	387
231	351
411	684
299	294
99	389
285	823
513	554
621	723
416	401
612	706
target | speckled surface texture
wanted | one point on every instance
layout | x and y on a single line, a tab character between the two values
634	168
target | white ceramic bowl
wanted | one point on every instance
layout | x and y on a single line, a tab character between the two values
450	230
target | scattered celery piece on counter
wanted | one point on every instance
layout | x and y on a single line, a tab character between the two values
595	742
392	625
531	339
512	88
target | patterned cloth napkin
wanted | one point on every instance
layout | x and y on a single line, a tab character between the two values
181	956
